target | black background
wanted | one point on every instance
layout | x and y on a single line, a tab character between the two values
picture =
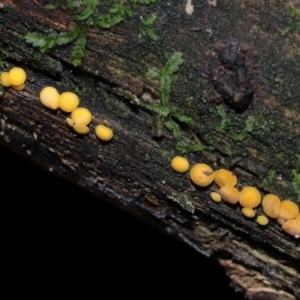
65	231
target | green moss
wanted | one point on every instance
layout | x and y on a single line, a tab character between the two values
120	73
250	124
127	94
79	91
172	118
269	181
224	119
3	67
91	13
114	15
295	24
1	90
52	6
146	28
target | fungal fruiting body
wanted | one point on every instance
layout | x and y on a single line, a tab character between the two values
81	129
292	227
271	205
248	212
202	175
229	194
180	164
80	118
19	87
49	97
262	220
288	210
280	220
215	197
15	78
225	177
68	101
249	197
5	79
104	133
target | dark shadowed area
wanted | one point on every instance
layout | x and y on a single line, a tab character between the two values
53	226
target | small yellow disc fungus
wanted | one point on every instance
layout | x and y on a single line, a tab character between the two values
288	210
202	175
280	220
180	164
262	220
70	122
68	101
271	205
5	79
249	197
104	133
18	87
81	129
81	116
292	227
215	197
49	97
225	177
17	76
248	212
229	194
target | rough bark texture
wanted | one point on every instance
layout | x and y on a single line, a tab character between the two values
133	170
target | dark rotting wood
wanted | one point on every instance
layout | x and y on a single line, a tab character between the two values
133	170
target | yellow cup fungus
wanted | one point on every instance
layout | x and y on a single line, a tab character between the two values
262	220
248	212
16	76
5	79
19	87
271	205
49	97
225	177
68	101
180	164
215	197
80	118
249	197
292	227
288	210
202	175
229	194
280	220
104	133
81	129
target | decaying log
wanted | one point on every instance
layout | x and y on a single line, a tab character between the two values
133	170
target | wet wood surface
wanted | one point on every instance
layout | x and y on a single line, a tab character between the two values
133	170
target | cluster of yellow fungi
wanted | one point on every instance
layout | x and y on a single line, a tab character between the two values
68	102
286	212
15	78
80	117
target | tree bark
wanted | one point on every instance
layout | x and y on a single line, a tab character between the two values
133	170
